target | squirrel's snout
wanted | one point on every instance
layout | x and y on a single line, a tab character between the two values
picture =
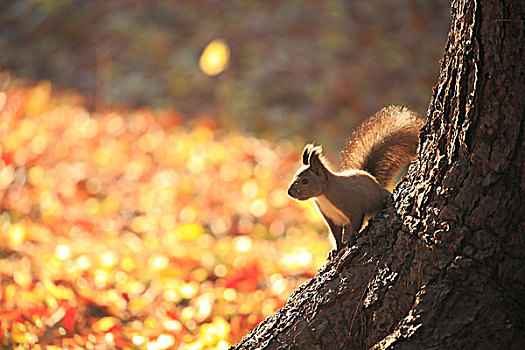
294	192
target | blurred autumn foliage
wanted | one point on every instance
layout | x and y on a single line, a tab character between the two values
308	68
134	230
167	226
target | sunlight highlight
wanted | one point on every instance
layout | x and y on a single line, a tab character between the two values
215	57
62	252
17	234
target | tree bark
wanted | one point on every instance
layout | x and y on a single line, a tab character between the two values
443	266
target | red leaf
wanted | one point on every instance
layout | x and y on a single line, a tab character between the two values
119	342
36	311
244	278
172	314
7	158
70	319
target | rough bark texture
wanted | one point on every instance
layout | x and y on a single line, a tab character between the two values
443	266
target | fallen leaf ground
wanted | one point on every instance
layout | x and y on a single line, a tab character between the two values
134	230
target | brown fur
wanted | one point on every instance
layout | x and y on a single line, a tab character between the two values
384	143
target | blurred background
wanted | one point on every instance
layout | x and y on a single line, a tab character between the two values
294	67
146	148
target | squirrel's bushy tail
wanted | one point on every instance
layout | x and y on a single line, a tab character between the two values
384	143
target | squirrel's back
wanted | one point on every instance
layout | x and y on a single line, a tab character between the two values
384	143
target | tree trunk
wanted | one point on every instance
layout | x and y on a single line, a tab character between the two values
443	266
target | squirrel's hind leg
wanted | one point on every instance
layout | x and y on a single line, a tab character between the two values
349	235
336	231
351	231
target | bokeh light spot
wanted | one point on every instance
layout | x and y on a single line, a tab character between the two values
17	234
62	252
215	57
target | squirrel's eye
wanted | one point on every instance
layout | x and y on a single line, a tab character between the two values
304	181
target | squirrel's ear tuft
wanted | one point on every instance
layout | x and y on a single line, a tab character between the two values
307	152
312	155
316	161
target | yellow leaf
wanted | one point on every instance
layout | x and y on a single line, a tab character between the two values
38	98
104	324
214	332
110	205
10	293
137	304
19	333
189	232
150	323
59	292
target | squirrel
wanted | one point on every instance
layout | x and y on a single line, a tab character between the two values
373	155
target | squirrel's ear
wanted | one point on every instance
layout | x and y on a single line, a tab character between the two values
307	151
315	161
